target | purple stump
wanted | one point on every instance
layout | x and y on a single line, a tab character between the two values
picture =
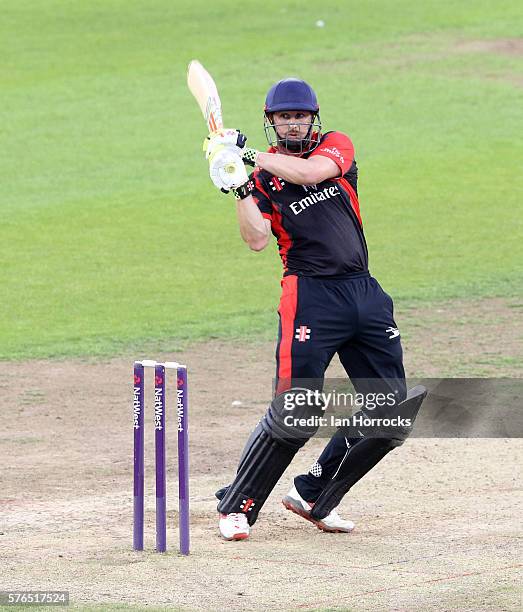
183	459
138	425
159	440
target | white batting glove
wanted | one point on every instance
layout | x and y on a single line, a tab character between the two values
232	138
226	168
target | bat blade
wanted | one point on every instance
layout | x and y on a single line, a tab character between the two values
203	88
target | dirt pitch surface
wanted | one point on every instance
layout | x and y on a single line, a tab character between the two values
437	523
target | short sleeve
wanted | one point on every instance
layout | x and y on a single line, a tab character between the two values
339	148
260	196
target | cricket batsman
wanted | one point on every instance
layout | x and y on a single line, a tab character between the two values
304	191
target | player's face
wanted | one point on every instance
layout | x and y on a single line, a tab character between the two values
296	131
292	125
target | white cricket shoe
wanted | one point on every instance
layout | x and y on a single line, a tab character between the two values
234	526
332	523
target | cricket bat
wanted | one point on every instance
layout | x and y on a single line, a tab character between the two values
203	88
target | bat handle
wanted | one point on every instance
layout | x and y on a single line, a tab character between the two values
242	139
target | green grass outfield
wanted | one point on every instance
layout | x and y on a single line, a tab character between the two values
112	236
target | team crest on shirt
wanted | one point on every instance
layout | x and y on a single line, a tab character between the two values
276	183
303	333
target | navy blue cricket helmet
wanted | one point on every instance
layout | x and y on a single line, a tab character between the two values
292	94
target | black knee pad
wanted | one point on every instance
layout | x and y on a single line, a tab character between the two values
391	422
407	410
283	430
366	452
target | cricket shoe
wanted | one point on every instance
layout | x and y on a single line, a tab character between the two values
333	523
234	526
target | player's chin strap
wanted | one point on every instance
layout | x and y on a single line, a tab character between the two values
366	452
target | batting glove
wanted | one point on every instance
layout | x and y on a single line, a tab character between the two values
249	156
226	168
231	138
243	191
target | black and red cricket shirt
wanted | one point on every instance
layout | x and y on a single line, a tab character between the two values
318	227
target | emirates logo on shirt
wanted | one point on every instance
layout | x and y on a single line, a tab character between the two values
313	198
